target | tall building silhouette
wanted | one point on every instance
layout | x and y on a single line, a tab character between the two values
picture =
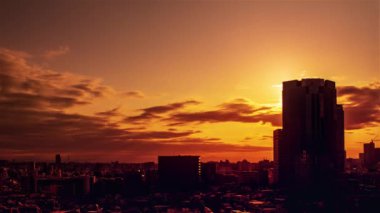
277	136
58	159
310	146
370	156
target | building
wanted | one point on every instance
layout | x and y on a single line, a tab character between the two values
277	136
58	159
208	172
179	172
371	156
63	186
310	146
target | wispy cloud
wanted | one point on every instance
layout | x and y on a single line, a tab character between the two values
238	110
36	118
134	94
155	112
61	50
110	113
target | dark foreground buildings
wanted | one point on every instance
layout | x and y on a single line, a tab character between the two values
179	172
309	149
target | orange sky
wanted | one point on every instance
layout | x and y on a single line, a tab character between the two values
130	80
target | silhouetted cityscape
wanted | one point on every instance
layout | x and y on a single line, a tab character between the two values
309	173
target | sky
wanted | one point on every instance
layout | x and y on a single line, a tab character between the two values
126	81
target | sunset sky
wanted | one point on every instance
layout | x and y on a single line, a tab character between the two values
129	80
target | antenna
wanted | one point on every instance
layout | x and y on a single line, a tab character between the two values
377	134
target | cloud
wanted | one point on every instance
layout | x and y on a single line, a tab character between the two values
155	112
28	85
362	105
134	94
36	119
169	107
110	113
158	134
238	110
266	137
50	54
42	133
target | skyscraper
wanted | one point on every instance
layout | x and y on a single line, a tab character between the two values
310	147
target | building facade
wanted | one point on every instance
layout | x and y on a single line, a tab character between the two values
310	146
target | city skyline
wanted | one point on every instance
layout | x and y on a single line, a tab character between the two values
130	81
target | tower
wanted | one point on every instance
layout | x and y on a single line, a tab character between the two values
310	146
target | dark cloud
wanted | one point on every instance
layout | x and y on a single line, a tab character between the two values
25	100
363	105
134	94
110	113
242	106
156	111
87	87
35	121
94	138
266	137
143	118
25	84
238	110
168	108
